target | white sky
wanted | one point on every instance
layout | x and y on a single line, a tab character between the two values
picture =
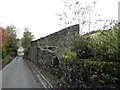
40	15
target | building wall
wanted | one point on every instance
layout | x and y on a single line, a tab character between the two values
38	51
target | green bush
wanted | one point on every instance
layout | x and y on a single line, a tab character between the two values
61	81
82	73
6	60
67	54
105	67
105	45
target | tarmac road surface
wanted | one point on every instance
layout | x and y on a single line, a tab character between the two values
17	75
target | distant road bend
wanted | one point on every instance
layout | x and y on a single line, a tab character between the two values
18	75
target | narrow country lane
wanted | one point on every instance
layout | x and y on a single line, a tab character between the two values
18	75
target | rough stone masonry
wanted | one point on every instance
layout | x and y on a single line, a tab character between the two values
43	50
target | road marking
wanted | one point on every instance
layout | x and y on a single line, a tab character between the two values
40	79
44	78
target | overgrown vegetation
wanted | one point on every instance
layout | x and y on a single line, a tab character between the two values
9	44
92	61
96	54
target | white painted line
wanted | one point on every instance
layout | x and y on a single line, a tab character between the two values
40	79
44	78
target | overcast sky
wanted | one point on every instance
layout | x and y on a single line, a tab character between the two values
40	15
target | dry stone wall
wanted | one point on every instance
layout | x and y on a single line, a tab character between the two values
43	50
69	73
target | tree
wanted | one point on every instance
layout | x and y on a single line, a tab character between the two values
3	37
9	41
27	38
78	12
